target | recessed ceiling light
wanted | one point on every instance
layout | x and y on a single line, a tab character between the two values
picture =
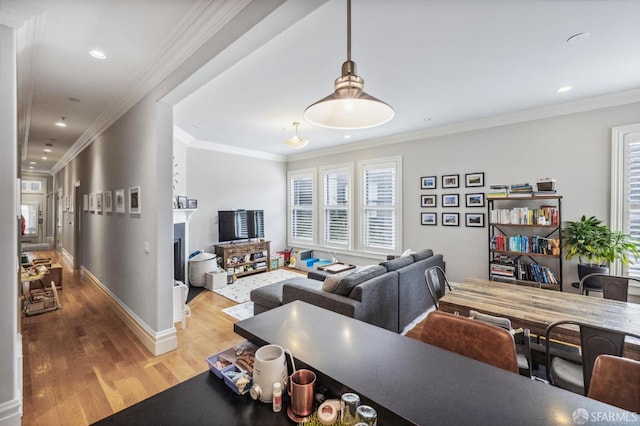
44	158
347	136
48	150
30	167
61	123
98	54
577	37
32	162
563	89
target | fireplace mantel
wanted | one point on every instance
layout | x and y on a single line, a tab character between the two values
183	215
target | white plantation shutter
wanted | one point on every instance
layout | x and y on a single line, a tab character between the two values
380	206
301	207
632	198
336	185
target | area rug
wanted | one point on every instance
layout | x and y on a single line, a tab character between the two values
241	311
239	290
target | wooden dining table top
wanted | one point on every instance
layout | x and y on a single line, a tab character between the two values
534	309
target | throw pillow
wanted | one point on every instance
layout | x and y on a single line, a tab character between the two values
347	284
397	263
331	281
407	253
422	254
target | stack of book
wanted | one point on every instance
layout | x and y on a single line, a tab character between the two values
498	191
521	190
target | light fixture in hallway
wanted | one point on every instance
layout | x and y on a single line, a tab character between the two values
61	123
296	142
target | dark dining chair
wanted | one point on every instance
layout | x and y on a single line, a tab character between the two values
521	338
436	280
616	381
474	339
575	376
614	287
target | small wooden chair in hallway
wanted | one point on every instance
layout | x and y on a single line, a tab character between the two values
474	339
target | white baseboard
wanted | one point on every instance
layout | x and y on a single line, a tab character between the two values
11	412
67	255
156	342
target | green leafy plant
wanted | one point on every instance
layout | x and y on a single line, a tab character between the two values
592	240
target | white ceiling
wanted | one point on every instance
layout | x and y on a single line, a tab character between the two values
437	62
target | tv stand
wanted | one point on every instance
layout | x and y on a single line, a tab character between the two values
245	258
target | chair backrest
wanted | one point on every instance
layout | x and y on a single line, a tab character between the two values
616	381
616	287
501	322
436	280
594	341
473	339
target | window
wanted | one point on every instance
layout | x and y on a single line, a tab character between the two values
625	191
379	209
301	205
336	204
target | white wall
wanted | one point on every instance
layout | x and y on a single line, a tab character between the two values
10	339
574	149
224	181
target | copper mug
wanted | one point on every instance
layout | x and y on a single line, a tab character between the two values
301	390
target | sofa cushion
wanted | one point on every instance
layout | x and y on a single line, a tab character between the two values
346	284
397	263
422	254
332	280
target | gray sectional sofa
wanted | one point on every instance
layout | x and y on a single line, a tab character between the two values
390	295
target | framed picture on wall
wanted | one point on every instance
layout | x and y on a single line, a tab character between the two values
98	202
108	201
85	202
119	201
475	200
182	201
475	220
192	203
473	179
429	201
428	218
450	200
135	206
450	219
450	181
428	182
92	202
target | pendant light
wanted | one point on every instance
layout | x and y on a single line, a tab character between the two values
349	107
296	142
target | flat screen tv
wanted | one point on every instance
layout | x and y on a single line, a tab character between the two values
240	224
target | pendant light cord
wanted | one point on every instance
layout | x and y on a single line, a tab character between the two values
348	30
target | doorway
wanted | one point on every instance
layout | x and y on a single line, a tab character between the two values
33	210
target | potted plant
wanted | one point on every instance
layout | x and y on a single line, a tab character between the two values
595	242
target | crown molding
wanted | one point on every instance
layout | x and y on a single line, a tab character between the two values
218	147
203	21
573	107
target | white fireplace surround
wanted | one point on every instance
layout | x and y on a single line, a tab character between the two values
183	216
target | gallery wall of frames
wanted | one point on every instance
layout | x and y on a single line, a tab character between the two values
444	197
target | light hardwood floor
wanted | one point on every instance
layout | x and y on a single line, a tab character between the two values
82	364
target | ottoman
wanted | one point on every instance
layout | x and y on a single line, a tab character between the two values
270	296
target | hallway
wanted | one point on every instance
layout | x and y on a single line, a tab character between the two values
82	364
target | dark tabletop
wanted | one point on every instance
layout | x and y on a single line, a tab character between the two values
420	383
407	381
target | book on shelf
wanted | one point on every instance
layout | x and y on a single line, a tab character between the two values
519	194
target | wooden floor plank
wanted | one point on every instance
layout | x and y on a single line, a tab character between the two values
82	364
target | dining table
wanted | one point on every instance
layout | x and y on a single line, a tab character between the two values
535	308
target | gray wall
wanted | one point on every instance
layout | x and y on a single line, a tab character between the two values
224	181
134	151
10	339
574	149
